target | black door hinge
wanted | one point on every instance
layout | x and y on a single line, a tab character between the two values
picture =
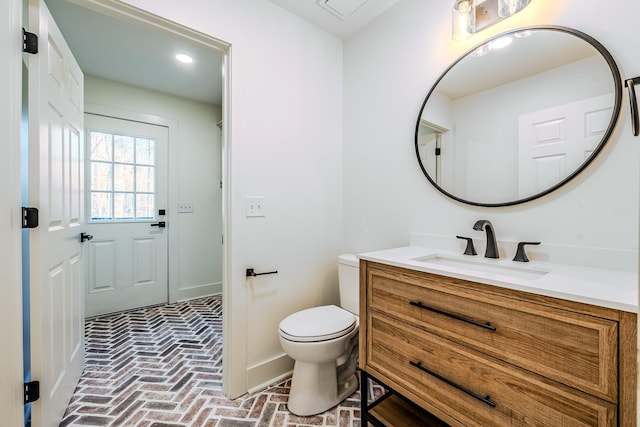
31	391
438	151
29	217
29	42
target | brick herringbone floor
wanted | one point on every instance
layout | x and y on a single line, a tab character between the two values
161	367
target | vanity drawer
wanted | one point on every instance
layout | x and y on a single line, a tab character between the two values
496	393
572	348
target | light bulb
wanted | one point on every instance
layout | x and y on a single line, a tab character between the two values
463	19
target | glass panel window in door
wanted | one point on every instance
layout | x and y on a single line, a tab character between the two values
122	177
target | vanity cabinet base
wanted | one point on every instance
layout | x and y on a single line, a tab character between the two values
392	410
482	355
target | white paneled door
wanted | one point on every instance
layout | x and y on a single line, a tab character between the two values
126	191
56	187
555	141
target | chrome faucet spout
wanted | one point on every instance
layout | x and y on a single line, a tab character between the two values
491	250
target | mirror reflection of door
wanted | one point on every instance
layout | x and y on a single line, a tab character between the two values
126	182
433	150
555	141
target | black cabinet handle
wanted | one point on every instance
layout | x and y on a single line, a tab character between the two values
635	118
453	316
487	400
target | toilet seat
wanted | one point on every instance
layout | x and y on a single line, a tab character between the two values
318	324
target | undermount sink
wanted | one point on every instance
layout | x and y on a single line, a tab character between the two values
475	267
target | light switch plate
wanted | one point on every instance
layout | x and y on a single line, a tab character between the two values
255	206
185	207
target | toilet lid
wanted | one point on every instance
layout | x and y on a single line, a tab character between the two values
317	324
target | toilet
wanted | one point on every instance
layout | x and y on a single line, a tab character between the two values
323	342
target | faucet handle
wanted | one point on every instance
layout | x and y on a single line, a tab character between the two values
469	250
521	255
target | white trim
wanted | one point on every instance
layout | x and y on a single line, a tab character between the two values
11	405
193	292
273	382
265	373
234	360
125	12
234	298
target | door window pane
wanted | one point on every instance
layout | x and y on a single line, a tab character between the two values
145	151
101	174
145	181
123	177
101	148
101	206
123	149
144	205
123	206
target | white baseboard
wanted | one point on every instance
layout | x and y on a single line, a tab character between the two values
264	374
193	292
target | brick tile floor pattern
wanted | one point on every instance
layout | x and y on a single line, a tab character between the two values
162	367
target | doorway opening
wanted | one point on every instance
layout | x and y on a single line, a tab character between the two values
430	141
122	12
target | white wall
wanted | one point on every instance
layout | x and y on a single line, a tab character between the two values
199	251
390	67
286	145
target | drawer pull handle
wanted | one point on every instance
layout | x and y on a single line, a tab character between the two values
453	316
487	400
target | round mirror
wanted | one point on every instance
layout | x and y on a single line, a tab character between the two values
518	116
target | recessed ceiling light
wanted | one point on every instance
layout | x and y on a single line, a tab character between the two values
185	59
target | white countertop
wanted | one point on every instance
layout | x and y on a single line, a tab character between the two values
606	288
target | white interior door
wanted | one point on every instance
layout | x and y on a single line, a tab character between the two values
126	190
553	142
56	187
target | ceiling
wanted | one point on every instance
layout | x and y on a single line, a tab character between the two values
538	52
342	18
127	53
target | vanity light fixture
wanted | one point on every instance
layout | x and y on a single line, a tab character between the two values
471	16
511	7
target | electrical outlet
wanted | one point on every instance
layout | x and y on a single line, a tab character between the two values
255	206
185	207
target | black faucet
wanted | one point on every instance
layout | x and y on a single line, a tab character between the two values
492	246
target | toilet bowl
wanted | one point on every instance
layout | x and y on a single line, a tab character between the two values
323	342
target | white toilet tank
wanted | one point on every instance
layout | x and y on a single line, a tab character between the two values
349	282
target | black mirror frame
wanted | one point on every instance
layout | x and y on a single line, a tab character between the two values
617	80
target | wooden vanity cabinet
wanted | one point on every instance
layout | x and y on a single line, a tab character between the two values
472	354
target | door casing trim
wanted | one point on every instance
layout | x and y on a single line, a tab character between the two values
234	359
